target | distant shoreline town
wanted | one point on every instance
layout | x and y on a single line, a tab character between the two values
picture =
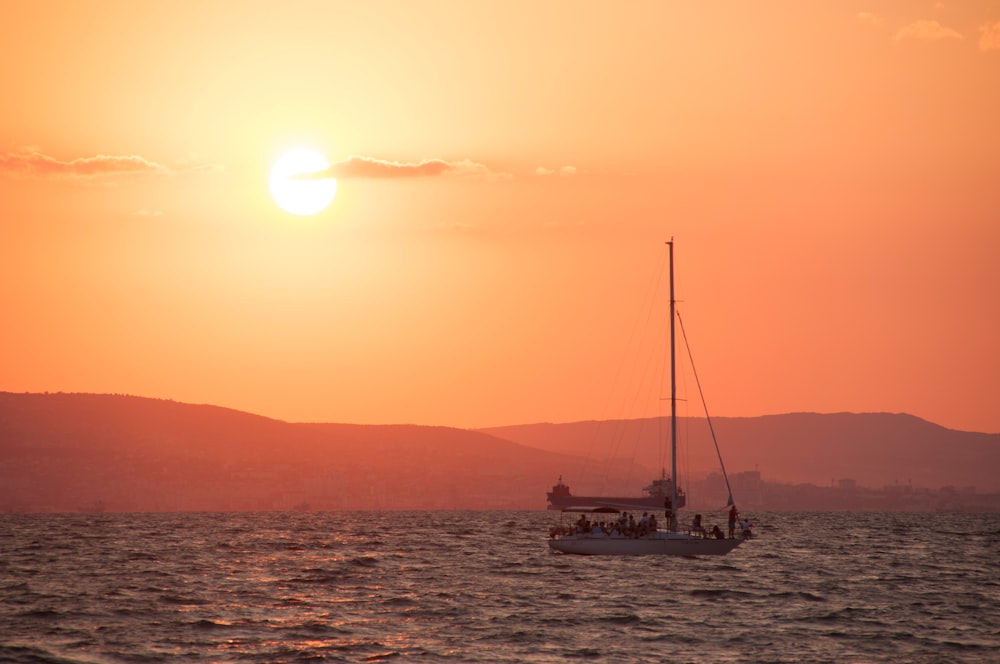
752	492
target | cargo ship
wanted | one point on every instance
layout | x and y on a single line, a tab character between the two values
654	496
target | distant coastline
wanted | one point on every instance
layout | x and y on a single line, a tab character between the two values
86	452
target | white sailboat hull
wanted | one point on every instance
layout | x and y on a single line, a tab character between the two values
661	543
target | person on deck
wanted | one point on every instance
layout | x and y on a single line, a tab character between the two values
717	532
696	527
733	516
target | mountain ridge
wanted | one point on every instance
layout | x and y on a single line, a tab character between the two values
872	448
63	452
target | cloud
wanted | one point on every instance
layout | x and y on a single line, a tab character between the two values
194	162
989	40
31	163
371	168
871	19
924	30
565	171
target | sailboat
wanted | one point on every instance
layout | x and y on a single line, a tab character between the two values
668	541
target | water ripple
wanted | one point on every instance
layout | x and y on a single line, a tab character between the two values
270	587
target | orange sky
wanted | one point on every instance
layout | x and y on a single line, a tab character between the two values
830	171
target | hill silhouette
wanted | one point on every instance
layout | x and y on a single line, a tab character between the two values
69	452
874	449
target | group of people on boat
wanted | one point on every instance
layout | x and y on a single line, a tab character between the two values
626	525
697	528
734	519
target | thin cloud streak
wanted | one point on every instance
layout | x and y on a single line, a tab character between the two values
36	164
565	171
381	169
925	30
871	19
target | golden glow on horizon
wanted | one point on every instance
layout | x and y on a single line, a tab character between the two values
303	196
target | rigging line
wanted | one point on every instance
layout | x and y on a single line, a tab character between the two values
638	339
661	446
687	439
617	435
705	406
641	385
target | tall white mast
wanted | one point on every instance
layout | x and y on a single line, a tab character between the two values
673	401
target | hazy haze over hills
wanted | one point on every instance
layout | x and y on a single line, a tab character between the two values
875	449
66	452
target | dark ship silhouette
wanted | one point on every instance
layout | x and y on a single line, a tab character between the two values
654	496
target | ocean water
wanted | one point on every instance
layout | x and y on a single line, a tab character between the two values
484	587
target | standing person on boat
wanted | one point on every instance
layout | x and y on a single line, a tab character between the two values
733	516
696	526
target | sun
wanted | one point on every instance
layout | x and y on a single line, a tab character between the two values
295	189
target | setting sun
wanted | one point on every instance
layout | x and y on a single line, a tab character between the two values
287	208
298	183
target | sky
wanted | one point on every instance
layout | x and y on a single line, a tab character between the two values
508	174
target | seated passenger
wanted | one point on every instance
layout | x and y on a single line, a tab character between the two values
644	524
717	532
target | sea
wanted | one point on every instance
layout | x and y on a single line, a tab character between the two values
482	586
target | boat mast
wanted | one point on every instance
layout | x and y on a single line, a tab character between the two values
673	401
